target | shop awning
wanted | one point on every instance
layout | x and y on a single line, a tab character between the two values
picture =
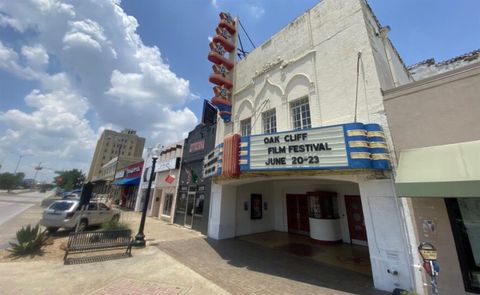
127	181
451	170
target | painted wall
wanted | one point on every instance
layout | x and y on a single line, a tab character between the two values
450	279
243	224
388	247
321	65
439	110
221	223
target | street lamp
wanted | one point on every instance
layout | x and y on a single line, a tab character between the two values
140	237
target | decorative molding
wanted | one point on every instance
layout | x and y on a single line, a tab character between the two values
245	103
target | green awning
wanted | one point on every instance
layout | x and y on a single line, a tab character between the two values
451	170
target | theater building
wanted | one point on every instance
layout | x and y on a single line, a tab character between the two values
303	149
435	130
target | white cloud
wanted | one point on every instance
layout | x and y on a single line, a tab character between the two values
215	4
101	69
36	56
256	11
9	61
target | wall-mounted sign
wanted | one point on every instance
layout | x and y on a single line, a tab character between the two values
211	164
166	165
133	170
197	146
347	146
120	174
222	43
303	149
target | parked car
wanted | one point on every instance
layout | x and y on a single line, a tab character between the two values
66	214
72	193
71	196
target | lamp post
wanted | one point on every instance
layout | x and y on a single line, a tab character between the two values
140	237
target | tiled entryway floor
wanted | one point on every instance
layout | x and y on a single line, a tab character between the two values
351	257
243	266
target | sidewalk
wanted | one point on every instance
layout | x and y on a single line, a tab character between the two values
149	271
180	261
242	267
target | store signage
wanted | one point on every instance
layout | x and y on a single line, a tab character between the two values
347	146
210	163
120	174
166	165
133	170
223	43
197	146
303	149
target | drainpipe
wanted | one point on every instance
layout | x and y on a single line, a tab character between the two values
384	35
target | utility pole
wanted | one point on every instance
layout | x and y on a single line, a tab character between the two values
37	168
18	164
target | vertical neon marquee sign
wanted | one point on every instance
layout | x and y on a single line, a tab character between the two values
223	42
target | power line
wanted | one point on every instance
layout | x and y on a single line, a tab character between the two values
242	52
245	31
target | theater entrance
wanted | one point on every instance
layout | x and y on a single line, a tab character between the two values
356	221
297	214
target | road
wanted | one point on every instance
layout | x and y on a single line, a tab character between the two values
17	210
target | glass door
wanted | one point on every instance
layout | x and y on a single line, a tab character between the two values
464	216
190	209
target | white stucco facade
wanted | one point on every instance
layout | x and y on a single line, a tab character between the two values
162	193
315	58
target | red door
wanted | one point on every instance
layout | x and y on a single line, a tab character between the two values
297	214
356	222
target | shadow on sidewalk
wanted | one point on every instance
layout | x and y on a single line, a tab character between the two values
235	265
96	258
280	263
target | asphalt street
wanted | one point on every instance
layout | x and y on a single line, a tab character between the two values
17	210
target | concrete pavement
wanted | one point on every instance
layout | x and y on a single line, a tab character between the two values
180	261
149	271
17	210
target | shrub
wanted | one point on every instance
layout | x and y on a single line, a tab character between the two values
30	240
114	224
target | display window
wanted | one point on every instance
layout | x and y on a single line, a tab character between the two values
464	214
323	205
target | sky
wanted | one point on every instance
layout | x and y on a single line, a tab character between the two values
69	69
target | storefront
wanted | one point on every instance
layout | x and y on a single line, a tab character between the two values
164	182
437	142
167	170
126	185
442	185
193	199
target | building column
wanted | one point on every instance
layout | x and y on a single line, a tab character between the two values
387	242
221	223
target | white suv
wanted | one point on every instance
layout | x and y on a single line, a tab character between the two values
66	214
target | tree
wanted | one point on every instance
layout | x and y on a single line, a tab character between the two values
70	179
10	180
